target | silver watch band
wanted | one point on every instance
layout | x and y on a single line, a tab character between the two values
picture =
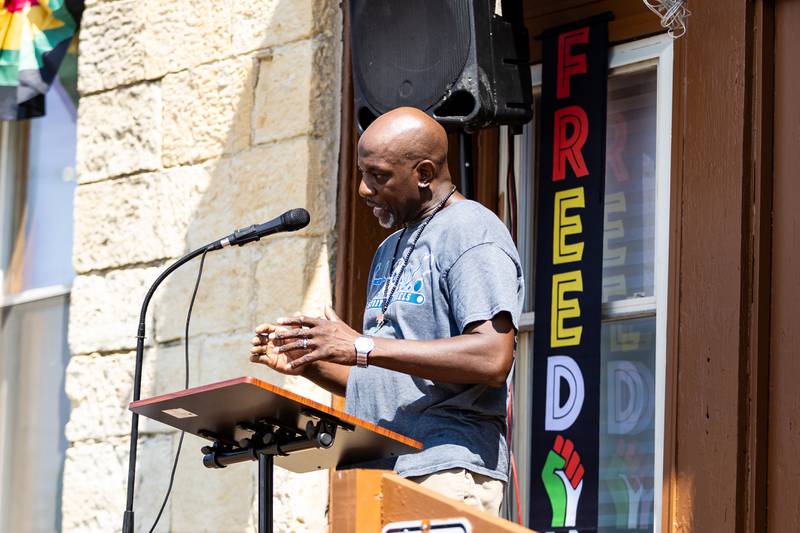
363	346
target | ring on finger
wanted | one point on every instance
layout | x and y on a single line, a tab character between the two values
305	344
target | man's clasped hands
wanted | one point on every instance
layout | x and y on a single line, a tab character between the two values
291	344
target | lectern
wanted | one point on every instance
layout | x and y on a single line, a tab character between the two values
246	419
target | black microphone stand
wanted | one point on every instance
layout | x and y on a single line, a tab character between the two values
291	220
128	519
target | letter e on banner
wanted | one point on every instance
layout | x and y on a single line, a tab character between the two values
564	225
561	415
565	308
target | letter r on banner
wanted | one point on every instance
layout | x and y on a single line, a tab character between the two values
560	416
571	128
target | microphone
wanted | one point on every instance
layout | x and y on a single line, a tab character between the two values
291	220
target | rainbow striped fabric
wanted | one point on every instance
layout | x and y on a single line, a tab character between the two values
34	38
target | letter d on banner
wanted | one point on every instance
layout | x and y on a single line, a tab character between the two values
561	415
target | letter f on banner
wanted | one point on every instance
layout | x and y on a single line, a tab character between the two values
568	64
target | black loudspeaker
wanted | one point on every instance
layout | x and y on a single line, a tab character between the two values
454	59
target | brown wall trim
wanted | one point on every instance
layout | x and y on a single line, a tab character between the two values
783	511
718	322
756	257
346	165
669	485
358	236
632	19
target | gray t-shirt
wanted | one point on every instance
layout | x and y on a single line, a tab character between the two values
465	268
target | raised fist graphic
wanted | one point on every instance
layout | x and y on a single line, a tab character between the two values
562	476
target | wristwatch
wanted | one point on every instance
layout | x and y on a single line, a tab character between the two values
363	346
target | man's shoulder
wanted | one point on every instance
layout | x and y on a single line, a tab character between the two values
471	208
470	224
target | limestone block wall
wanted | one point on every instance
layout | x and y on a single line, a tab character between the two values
195	118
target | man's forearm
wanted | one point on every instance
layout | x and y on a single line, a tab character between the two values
329	376
466	358
482	354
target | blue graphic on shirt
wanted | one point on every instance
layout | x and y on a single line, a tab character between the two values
409	286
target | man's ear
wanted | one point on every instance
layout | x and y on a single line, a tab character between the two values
426	171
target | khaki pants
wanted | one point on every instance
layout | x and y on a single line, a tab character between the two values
476	490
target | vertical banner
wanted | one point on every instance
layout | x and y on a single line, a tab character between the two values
569	263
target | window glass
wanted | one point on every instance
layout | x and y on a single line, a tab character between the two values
629	236
528	184
41	239
33	411
37	184
627	424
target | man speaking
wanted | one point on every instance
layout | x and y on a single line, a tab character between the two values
444	299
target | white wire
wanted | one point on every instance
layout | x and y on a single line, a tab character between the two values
672	13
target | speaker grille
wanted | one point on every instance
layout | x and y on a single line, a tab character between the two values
409	52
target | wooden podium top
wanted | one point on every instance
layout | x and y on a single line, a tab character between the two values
220	410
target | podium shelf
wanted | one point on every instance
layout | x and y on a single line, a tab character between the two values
228	411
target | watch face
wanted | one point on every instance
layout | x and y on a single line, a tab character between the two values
364	344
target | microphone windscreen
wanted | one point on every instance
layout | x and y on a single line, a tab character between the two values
295	219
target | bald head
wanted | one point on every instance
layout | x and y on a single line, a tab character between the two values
406	133
402	157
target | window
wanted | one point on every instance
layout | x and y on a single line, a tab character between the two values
37	159
635	247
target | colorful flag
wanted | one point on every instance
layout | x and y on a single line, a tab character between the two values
34	38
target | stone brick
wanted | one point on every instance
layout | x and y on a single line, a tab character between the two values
164	366
119	132
297	91
301	501
180	35
264	23
225	299
228	356
112	45
163	372
208	500
94	484
201	111
318	287
282	275
207	110
138	219
307	389
101	387
104	310
269	179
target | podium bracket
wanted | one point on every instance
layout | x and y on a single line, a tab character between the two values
267	441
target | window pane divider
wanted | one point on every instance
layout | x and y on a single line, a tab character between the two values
611	311
33	295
